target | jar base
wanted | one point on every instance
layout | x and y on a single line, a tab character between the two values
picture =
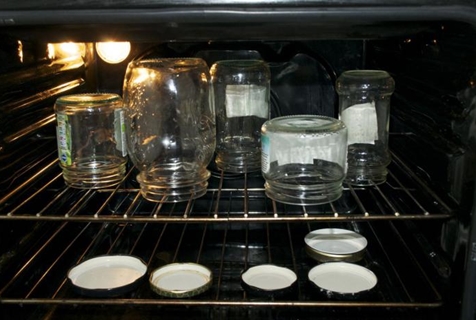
173	191
94	175
310	195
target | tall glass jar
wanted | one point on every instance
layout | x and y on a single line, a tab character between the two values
241	91
303	159
364	106
91	139
170	125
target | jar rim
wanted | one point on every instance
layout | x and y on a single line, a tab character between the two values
378	81
366	73
88	99
180	61
240	63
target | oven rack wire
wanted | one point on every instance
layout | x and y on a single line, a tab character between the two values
40	194
38	276
232	227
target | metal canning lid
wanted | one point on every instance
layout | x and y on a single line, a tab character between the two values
180	280
334	244
88	99
268	279
107	275
342	278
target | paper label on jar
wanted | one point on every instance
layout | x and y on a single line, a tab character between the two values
120	131
302	154
246	100
361	122
63	135
291	149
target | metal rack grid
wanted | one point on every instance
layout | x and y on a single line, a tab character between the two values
234	226
39	275
43	196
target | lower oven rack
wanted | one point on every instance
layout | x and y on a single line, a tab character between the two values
234	226
227	249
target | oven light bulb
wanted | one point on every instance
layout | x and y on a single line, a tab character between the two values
66	50
113	52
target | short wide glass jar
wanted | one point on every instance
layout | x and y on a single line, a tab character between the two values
303	159
91	139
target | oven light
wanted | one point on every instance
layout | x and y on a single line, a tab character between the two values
113	52
66	50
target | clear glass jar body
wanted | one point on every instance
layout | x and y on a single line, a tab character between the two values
170	125
241	92
91	140
303	159
364	106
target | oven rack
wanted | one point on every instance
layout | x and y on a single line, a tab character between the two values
37	274
39	193
232	227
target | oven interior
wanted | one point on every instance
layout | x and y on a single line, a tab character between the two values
416	223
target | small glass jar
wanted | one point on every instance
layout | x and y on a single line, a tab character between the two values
241	92
91	139
364	106
303	159
170	125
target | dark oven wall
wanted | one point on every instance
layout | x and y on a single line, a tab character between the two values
432	107
432	113
433	116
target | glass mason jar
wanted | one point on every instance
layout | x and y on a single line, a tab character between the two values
170	125
241	92
91	139
303	159
364	106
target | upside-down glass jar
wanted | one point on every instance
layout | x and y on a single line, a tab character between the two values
242	92
303	159
170	125
364	106
91	139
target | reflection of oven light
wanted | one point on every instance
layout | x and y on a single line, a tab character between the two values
20	50
113	52
66	50
143	75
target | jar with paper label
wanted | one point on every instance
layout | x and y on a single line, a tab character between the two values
241	94
364	106
303	159
91	139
